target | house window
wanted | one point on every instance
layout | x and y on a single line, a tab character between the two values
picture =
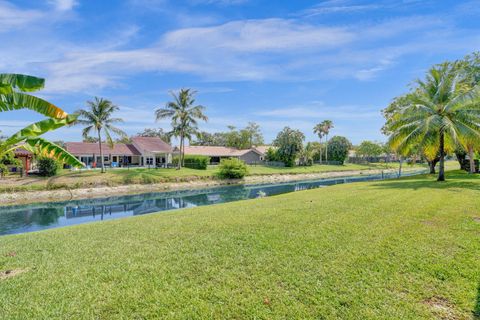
149	161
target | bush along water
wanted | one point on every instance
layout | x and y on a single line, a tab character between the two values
47	167
232	168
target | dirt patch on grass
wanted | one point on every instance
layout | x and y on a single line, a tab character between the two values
11	273
441	308
476	219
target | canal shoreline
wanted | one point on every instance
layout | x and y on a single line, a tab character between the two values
26	197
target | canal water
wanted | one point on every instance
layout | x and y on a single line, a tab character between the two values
40	216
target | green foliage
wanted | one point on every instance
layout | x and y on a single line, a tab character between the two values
271	155
338	148
244	138
289	143
184	115
13	97
47	167
441	112
369	149
159	133
232	168
194	162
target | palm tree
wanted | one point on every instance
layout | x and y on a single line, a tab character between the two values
98	117
13	96
436	116
327	125
318	130
184	115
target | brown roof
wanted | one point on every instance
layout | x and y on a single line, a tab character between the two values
214	151
262	149
78	148
20	152
151	144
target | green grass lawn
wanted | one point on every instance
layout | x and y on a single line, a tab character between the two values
398	249
85	179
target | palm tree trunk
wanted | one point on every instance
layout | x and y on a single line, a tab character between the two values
101	151
179	165
321	151
441	172
431	165
400	167
326	148
472	160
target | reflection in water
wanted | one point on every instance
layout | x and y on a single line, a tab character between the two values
26	218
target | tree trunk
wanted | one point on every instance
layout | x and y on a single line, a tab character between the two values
321	153
400	167
441	171
431	165
472	160
183	152
101	151
326	148
179	165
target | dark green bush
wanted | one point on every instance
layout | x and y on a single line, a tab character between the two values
232	168
338	149
47	167
194	162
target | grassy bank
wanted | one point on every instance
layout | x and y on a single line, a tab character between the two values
86	179
400	249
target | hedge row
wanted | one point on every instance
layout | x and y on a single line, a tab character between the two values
194	162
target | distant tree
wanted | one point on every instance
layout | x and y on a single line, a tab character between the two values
327	126
306	155
369	149
271	154
319	131
98	117
90	139
289	143
254	134
338	148
317	148
184	115
159	133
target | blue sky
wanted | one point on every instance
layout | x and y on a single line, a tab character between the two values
277	63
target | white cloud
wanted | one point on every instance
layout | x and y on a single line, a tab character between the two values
13	17
63	5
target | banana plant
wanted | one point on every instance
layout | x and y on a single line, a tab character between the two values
14	96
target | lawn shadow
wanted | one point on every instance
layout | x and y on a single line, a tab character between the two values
456	180
476	311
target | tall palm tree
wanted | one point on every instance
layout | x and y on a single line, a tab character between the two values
327	125
13	96
184	115
98	117
318	130
436	116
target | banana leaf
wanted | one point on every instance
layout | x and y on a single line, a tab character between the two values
18	100
38	128
44	147
22	82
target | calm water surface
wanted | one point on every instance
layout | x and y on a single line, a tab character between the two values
39	216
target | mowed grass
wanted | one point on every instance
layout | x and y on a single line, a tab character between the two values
85	179
398	249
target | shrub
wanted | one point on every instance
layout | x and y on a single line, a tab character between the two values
232	168
47	167
338	149
194	162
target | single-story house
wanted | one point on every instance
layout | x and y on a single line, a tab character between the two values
217	153
143	151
